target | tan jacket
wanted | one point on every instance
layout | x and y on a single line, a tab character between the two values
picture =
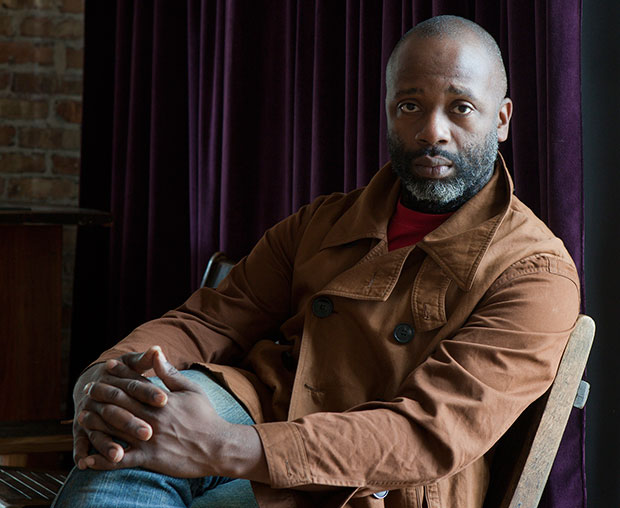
410	364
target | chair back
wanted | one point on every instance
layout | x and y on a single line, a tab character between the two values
217	268
525	454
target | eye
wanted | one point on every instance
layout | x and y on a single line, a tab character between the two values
408	107
462	109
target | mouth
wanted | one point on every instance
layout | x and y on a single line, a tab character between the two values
432	167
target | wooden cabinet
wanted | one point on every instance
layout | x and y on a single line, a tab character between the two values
31	309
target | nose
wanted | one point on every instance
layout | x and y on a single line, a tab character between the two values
434	129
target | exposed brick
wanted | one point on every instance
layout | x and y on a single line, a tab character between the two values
5	79
6	26
34	137
46	83
70	111
63	165
7	135
29	4
75	6
16	162
70	87
34	83
75	58
37	26
20	108
25	52
43	189
69	29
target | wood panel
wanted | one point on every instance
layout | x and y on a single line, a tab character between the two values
30	321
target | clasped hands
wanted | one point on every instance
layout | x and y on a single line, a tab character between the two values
177	433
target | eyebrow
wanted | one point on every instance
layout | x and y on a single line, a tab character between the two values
466	92
462	91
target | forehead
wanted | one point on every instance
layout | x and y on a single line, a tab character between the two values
446	62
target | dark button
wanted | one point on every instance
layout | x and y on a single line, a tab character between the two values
381	495
322	307
403	333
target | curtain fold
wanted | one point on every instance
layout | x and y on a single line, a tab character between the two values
207	121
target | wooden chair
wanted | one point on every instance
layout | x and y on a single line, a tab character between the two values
218	267
524	456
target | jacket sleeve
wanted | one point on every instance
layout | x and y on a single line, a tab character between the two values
220	326
451	409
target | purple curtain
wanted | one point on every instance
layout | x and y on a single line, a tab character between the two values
205	122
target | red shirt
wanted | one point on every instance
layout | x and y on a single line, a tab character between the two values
408	226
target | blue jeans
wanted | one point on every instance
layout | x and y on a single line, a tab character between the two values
139	488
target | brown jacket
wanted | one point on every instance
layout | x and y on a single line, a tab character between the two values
396	371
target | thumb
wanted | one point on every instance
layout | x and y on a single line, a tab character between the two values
140	362
171	377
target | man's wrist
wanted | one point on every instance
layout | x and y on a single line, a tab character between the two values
243	455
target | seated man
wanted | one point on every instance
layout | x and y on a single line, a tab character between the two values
416	319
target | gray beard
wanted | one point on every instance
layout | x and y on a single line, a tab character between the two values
473	168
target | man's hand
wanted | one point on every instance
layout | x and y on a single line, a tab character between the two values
101	439
189	439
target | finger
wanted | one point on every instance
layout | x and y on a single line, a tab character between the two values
106	446
171	377
131	394
81	444
140	362
131	458
114	420
139	388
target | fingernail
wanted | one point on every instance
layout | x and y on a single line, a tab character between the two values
81	416
114	454
110	364
159	398
143	433
162	357
87	387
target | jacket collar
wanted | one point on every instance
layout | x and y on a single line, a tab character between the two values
472	227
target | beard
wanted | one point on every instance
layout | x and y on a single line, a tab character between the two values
473	168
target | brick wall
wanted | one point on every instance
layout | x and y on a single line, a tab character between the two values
41	53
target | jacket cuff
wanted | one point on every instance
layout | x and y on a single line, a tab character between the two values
285	454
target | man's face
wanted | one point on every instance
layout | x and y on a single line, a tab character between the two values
445	119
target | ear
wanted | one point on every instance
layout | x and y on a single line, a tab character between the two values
503	119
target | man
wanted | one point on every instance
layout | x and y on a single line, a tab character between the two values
417	318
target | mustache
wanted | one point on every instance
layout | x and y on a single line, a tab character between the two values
432	151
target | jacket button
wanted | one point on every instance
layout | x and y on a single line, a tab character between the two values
403	333
322	307
381	495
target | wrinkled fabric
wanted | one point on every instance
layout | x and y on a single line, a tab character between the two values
341	405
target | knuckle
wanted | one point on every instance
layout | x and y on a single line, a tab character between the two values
114	394
107	412
133	387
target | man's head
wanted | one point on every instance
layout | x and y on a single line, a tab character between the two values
446	110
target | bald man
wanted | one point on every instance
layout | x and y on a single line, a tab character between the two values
417	318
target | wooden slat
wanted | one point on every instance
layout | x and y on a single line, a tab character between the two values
23	487
558	406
